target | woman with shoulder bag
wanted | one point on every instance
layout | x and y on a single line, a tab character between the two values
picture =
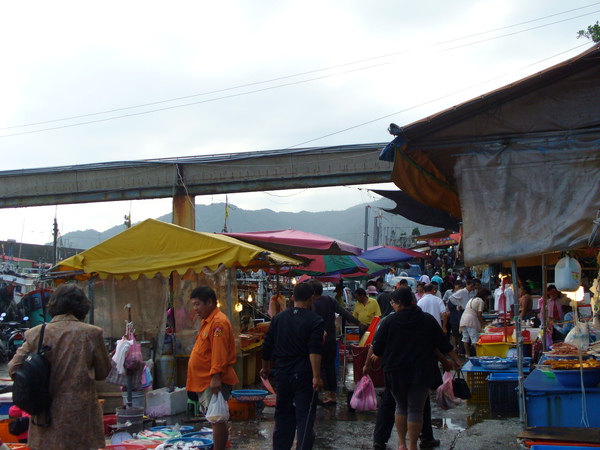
78	358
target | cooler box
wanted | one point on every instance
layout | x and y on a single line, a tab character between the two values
359	356
502	392
161	402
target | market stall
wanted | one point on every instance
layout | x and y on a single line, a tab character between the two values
153	265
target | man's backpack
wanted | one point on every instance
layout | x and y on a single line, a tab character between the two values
31	387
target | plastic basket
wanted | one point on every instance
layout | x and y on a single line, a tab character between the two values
478	384
203	442
172	428
125	447
502	392
499	364
249	395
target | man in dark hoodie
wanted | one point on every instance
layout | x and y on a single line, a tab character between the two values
408	343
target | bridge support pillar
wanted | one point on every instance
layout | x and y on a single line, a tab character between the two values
184	211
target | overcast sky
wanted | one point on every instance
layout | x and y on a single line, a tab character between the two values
133	80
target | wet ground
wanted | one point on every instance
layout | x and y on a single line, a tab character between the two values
463	428
467	427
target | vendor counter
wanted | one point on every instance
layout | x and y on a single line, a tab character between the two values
549	404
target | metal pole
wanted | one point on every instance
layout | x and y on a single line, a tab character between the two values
522	410
544	311
90	296
230	293
366	225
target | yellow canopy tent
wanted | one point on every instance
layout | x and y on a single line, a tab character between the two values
152	247
173	261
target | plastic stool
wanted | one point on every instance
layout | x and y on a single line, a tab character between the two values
192	408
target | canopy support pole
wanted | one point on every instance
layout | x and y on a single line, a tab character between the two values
230	276
519	339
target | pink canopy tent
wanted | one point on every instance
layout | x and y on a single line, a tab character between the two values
295	242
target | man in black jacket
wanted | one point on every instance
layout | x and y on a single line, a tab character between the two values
327	307
294	342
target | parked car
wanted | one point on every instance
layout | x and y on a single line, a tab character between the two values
414	271
412	283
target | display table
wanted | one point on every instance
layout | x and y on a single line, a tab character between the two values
477	380
550	404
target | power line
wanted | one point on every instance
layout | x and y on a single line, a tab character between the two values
424	103
288	77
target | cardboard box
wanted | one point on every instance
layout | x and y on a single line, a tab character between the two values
161	402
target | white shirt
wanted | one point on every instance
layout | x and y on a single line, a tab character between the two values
433	305
425	279
461	298
510	298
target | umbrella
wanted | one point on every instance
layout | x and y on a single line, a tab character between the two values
385	254
294	242
339	264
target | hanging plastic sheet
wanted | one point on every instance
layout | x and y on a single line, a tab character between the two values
527	200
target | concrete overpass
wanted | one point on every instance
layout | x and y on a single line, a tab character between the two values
185	177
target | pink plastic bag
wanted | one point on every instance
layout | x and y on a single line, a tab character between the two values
364	398
134	360
444	395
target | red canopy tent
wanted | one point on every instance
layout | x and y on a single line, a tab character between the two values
297	242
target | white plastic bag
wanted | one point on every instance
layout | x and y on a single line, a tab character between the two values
579	336
218	410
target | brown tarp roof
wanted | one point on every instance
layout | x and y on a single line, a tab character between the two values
519	165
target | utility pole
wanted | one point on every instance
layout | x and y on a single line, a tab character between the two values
376	229
366	225
55	243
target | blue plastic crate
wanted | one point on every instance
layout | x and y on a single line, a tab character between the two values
4	407
558	447
502	392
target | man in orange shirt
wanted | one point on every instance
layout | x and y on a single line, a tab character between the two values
210	369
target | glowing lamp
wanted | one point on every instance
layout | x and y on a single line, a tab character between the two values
576	296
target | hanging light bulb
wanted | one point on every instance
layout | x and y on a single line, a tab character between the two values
239	307
293	281
576	296
249	298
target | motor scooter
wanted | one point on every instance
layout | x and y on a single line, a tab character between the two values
12	336
17	337
4	335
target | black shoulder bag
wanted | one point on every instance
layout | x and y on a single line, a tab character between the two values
460	386
31	387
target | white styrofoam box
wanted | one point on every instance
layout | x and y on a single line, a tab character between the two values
161	402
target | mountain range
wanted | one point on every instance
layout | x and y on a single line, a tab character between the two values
346	225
